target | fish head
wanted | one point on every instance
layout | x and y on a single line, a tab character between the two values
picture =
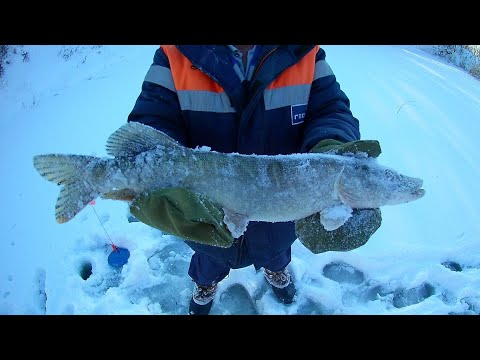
367	185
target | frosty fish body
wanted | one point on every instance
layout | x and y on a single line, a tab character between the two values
267	188
249	187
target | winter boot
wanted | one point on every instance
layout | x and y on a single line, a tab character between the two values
202	299
282	285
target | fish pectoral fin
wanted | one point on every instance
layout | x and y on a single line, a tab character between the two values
335	216
236	223
122	194
347	197
343	194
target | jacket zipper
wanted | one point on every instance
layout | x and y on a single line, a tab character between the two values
249	108
262	61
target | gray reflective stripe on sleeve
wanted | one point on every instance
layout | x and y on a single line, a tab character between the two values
160	75
286	96
322	69
201	100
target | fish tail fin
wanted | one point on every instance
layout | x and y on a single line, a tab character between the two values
79	177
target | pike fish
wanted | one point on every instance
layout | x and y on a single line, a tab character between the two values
271	188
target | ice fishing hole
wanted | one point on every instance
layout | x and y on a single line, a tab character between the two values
86	270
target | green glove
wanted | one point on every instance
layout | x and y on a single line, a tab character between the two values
359	227
370	147
185	214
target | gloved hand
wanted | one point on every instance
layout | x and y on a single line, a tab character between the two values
359	227
183	213
369	147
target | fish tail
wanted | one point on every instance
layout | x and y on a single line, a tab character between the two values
80	177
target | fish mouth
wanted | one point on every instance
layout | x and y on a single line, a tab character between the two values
407	196
418	193
415	183
410	191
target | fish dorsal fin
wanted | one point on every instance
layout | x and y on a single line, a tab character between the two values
134	138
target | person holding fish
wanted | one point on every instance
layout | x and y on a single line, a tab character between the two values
239	150
247	99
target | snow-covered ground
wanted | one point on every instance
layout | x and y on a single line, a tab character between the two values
425	258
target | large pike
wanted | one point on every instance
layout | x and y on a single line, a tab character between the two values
248	187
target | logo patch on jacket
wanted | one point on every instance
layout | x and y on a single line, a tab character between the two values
298	113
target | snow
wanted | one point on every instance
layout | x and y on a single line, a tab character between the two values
424	259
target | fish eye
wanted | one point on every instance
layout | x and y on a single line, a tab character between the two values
389	174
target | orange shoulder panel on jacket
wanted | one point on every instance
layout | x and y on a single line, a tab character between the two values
185	75
299	74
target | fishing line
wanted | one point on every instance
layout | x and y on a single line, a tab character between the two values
100	221
119	256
